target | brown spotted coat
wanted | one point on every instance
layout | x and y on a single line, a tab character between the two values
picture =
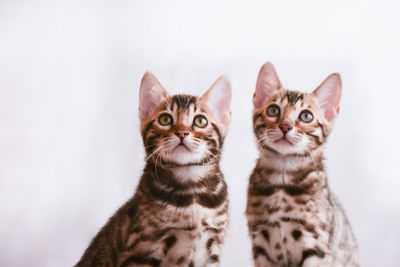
169	221
293	217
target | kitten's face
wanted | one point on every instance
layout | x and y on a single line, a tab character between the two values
289	122
184	130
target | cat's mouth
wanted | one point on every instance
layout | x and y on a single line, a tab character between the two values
283	141
181	147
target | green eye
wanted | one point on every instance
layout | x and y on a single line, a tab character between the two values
165	119
306	116
273	111
200	121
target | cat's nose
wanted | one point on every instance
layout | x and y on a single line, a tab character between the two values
181	133
285	128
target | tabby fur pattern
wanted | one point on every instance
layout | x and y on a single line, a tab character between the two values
179	213
293	217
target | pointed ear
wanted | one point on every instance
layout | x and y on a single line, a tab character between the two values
218	99
151	95
267	85
328	95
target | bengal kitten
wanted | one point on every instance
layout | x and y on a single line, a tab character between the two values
179	213
293	217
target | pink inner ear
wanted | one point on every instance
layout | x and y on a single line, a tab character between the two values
218	99
328	95
268	84
223	107
151	95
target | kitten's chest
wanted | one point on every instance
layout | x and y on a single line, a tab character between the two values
196	216
192	246
287	225
183	235
208	226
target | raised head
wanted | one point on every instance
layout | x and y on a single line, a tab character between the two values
183	130
290	122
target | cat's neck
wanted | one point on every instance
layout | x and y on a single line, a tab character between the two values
275	161
294	170
193	173
184	174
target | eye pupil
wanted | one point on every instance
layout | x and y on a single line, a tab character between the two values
273	111
306	116
200	121
165	119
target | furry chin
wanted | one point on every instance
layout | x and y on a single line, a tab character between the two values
182	155
181	149
285	147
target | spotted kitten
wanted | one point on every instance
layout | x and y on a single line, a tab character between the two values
179	214
293	217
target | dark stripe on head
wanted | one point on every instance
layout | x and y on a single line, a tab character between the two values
293	97
183	101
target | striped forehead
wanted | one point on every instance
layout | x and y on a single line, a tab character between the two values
182	103
183	106
291	97
294	100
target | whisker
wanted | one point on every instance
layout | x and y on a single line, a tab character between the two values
153	153
148	146
155	170
210	153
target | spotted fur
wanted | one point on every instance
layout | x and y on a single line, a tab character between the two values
179	213
293	217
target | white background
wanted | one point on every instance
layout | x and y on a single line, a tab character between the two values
70	148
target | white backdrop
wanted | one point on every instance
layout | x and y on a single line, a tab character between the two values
70	148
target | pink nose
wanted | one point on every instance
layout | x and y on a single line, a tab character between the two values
285	128
181	133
